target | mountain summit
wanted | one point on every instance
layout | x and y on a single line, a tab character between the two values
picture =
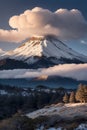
44	52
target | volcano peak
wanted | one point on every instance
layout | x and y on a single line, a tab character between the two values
45	51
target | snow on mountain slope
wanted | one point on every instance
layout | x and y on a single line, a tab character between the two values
48	47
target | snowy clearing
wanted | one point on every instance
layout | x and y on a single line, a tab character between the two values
68	111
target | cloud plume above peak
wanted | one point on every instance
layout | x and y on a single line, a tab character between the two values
66	24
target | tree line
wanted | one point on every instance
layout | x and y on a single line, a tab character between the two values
79	96
11	104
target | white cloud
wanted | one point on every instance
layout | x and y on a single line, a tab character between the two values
83	42
1	51
75	71
66	24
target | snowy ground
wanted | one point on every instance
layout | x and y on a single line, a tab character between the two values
68	111
80	127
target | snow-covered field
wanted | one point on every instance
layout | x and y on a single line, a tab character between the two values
67	112
64	111
80	127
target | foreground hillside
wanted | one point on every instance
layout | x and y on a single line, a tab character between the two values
48	109
66	112
68	116
54	117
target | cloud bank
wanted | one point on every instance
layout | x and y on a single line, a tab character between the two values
1	51
75	71
66	24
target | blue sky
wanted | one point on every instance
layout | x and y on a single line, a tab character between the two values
9	8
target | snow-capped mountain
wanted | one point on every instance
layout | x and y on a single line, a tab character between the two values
44	51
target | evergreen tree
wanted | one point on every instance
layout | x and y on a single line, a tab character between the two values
81	94
66	98
72	97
